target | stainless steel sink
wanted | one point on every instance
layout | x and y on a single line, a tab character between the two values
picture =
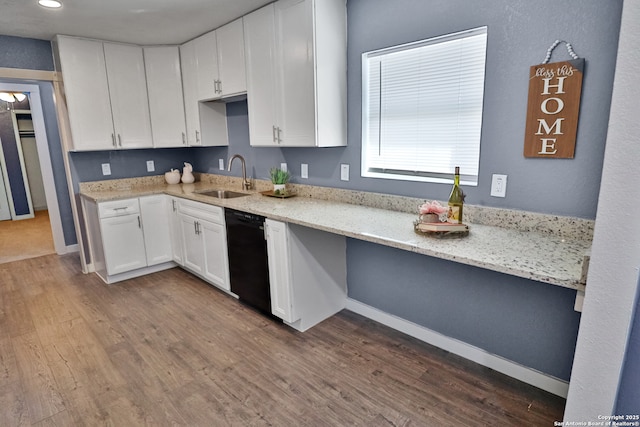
223	194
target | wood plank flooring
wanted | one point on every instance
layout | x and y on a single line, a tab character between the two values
26	238
168	349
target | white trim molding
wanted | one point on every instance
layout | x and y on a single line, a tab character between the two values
470	352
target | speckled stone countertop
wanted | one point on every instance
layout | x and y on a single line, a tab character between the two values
544	248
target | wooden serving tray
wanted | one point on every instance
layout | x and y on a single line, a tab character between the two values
270	193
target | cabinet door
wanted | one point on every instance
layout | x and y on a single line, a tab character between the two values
216	263
156	229
231	63
190	90
123	243
280	270
166	101
175	231
129	98
87	93
295	72
259	39
206	51
192	246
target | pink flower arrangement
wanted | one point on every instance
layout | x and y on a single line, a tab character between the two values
432	208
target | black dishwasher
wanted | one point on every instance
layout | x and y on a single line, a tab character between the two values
248	264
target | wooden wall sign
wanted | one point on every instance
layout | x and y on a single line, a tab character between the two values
553	109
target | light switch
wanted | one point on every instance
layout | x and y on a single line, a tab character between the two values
151	167
304	170
221	164
106	169
283	166
344	172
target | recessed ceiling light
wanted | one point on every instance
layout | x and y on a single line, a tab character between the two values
54	4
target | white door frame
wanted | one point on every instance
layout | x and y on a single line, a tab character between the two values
5	208
42	143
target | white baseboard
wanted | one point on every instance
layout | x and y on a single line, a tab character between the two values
72	248
470	352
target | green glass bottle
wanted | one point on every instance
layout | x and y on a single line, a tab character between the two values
456	200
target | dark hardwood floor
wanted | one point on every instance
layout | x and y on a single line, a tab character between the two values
168	349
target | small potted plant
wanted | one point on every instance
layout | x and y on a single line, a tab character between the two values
431	211
279	178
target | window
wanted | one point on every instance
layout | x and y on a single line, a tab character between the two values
422	108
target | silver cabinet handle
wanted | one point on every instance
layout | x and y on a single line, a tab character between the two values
173	202
139	222
113	140
119	140
197	136
184	139
195	227
274	134
220	86
279	139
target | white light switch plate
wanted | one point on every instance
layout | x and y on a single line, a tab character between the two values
304	170
221	164
283	166
499	185
106	169
344	172
151	167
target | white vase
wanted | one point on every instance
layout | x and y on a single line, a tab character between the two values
279	188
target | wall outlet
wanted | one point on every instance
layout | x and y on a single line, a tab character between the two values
499	185
151	167
304	170
221	164
344	172
283	166
106	169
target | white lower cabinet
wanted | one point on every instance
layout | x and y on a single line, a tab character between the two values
123	243
175	230
307	273
192	246
280	270
204	242
156	229
120	247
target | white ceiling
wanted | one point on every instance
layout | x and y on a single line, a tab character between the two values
133	21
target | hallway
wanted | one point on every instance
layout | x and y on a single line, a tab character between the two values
27	238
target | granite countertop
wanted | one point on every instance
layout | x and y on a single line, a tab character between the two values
544	257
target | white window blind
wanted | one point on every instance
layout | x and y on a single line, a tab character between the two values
422	108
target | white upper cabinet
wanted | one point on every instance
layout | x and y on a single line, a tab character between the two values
166	101
87	92
296	73
206	54
129	98
190	89
219	62
231	65
106	93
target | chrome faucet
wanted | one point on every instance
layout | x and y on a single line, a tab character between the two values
246	184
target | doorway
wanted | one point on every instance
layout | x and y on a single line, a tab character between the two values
50	218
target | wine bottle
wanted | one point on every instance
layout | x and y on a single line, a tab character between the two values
456	200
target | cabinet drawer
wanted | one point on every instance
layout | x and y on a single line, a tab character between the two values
118	208
202	211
